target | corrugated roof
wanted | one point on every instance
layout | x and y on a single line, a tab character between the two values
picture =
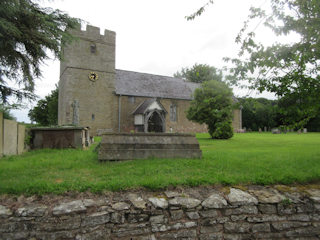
148	85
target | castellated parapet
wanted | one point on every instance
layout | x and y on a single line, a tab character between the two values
93	33
86	101
76	53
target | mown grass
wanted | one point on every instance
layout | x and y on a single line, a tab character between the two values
250	158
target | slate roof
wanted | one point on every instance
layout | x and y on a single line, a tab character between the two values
143	106
148	85
141	109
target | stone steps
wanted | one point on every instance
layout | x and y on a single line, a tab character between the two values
132	146
125	146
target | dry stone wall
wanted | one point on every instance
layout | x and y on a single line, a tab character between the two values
193	213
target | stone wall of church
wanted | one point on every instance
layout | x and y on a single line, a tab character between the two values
182	125
127	108
90	102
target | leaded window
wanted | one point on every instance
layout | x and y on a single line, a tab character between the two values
173	113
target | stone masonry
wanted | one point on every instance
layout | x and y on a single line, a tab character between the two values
93	93
95	99
253	212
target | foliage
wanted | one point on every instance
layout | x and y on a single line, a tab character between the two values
224	130
314	124
45	112
27	31
199	73
291	70
199	11
5	109
212	105
259	113
250	158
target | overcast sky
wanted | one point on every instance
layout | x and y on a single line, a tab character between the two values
153	36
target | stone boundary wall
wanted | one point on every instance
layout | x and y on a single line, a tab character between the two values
192	213
1	134
12	137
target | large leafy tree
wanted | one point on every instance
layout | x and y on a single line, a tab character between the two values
212	105
45	112
259	113
289	70
199	73
27	32
314	124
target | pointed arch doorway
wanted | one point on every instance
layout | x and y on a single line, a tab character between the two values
155	122
150	116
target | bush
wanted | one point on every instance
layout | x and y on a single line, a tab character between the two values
223	130
212	105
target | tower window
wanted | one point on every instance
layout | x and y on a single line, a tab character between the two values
92	117
93	48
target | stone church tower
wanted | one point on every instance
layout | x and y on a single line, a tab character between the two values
87	81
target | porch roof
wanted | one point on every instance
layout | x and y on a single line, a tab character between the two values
143	107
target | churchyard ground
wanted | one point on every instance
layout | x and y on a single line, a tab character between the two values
251	158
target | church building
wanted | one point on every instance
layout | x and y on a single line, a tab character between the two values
93	93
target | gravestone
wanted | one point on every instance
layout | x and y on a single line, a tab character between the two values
275	131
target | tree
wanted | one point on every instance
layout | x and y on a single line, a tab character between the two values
45	112
27	31
5	109
199	73
212	105
291	70
259	113
314	124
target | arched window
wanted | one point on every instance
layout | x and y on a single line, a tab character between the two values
173	112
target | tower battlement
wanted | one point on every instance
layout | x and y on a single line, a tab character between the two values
90	50
93	33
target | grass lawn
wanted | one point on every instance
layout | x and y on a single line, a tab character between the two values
250	158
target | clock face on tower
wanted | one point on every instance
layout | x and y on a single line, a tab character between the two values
93	76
